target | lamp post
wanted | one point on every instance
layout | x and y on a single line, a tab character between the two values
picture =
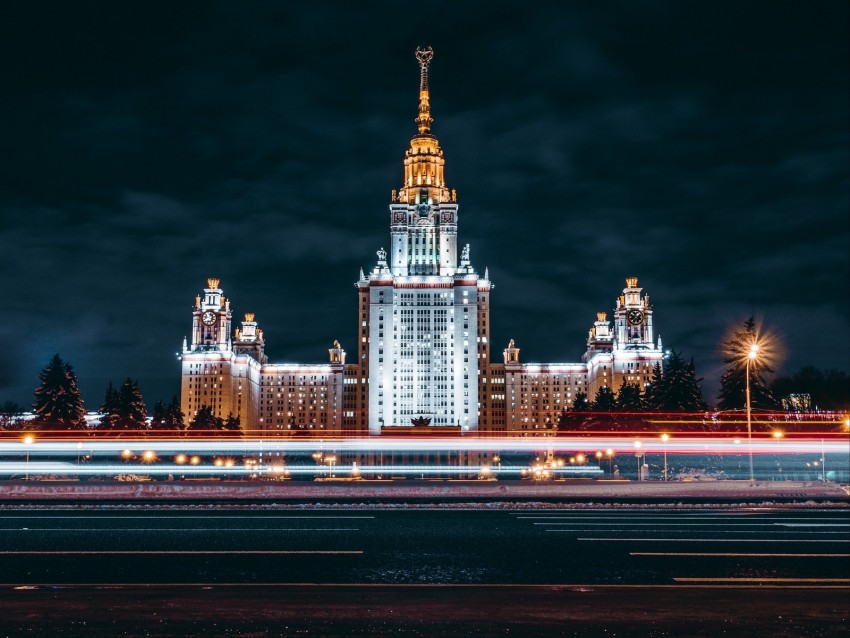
28	441
665	437
751	356
639	455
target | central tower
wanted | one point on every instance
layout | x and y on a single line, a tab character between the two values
423	309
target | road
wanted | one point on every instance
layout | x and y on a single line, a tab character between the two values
342	570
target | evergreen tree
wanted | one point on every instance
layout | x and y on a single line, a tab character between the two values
159	415
132	413
109	409
680	388
629	398
581	404
654	395
604	401
231	423
205	420
58	401
733	382
174	417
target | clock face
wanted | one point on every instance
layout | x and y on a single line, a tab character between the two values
635	317
208	317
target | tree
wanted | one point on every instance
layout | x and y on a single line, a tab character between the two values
733	382
109	409
124	408
604	401
205	420
58	401
581	404
231	423
829	390
629	398
167	417
132	413
679	389
654	394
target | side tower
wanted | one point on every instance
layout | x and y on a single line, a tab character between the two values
423	306
207	359
628	352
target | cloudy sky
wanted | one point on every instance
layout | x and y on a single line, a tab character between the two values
701	146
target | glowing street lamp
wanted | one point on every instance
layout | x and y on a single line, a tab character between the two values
639	454
752	355
28	440
610	454
665	437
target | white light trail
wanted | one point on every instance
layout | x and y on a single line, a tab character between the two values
618	445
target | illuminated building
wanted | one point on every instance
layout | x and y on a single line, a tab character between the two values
423	348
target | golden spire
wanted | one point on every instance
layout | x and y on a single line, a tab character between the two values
423	162
213	282
424	120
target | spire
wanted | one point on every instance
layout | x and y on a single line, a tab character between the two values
424	120
424	182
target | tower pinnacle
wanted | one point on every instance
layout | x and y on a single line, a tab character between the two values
423	162
424	56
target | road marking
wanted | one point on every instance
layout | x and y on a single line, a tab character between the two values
737	531
689	524
738	554
189	529
180	551
762	580
168	517
813	524
710	540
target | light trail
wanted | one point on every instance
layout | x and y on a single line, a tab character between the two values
725	444
69	469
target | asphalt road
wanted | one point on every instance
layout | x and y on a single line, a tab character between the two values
553	570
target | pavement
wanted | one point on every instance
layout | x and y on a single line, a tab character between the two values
426	491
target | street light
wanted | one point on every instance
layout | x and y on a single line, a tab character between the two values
751	356
610	454
639	454
665	437
28	440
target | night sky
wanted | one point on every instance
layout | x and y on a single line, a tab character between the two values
700	146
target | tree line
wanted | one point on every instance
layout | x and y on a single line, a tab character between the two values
58	405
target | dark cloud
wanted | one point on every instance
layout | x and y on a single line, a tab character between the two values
700	146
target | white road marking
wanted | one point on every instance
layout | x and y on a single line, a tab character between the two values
738	554
180	551
737	531
169	517
813	524
182	529
688	524
710	540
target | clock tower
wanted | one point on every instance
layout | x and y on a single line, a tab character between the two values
633	319
211	319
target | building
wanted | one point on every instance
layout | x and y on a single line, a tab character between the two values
423	349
